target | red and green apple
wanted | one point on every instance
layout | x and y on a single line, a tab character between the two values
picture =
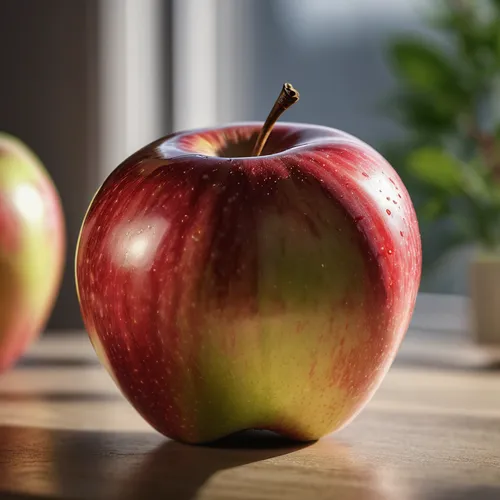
32	244
225	289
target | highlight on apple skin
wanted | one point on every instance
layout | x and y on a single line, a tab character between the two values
32	245
224	291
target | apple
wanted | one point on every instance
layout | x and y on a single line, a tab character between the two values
226	290
32	246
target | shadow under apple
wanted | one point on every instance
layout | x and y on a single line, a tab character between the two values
54	463
259	464
183	472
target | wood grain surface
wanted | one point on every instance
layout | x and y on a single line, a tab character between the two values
431	432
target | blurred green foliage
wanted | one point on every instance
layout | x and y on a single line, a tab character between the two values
449	102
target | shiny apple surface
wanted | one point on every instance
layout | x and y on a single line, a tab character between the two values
225	292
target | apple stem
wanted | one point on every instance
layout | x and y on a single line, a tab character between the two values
287	97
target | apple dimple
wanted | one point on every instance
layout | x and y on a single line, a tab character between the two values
238	140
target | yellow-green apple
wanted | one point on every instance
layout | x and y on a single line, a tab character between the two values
32	242
226	290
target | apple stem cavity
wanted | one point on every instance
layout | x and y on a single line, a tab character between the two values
288	96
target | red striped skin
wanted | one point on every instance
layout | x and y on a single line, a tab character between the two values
173	244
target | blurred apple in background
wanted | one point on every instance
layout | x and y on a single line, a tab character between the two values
224	290
32	244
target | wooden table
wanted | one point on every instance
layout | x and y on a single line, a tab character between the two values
431	432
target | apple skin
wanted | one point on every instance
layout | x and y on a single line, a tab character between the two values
32	246
265	292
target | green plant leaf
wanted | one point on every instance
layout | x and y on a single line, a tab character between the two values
428	117
443	90
475	30
475	184
425	68
436	168
492	36
433	209
496	4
